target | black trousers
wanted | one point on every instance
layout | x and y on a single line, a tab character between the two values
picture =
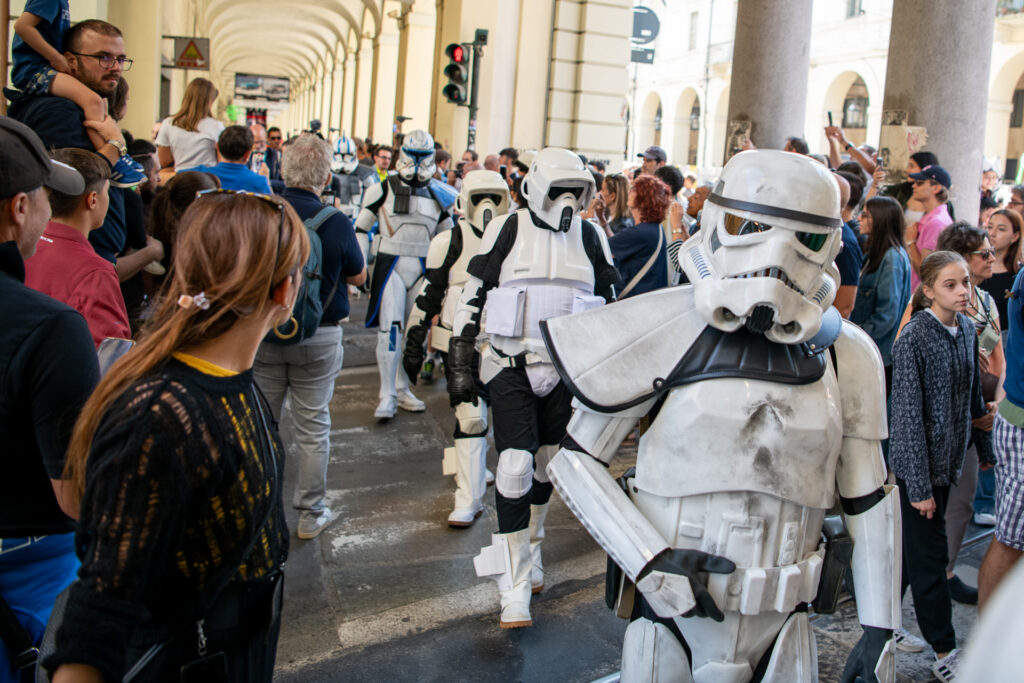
525	421
925	556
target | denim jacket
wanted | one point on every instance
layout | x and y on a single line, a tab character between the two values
882	296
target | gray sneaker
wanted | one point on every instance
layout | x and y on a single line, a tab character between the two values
312	523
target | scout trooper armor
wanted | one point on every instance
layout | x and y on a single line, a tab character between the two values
350	177
408	213
538	262
484	196
764	405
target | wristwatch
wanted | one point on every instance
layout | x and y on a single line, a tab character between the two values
119	146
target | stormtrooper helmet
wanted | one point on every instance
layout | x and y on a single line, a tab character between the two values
345	159
484	195
763	259
557	187
416	158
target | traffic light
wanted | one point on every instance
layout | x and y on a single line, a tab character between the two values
457	73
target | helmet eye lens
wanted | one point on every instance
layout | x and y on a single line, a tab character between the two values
556	192
734	225
477	198
812	240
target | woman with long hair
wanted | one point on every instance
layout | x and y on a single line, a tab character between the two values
936	391
1004	232
172	202
611	205
178	466
884	288
189	138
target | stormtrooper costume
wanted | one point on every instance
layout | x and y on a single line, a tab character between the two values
408	214
538	262
484	196
349	178
764	405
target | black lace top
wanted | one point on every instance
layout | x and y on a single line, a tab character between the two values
178	483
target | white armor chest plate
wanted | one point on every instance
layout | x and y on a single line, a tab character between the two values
745	435
457	276
408	234
541	254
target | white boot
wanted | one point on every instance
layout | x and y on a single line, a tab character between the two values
406	399
387	359
470	455
538	513
507	561
515	601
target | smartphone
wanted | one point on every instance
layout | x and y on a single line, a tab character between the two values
830	119
503	170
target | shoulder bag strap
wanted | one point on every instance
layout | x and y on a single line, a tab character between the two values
647	266
314	223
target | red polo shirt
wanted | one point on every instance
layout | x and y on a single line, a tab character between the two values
66	267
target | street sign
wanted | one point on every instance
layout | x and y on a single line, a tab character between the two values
642	55
192	53
645	25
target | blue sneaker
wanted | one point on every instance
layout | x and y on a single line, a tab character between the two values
127	173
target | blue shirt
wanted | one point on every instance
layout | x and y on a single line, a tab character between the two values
237	177
1014	383
850	259
55	16
342	256
631	248
882	296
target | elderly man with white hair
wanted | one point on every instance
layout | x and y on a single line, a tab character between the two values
306	370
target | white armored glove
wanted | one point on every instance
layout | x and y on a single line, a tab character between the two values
672	587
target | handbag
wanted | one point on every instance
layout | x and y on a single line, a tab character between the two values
209	668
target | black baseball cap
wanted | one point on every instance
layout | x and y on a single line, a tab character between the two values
654	153
935	173
25	165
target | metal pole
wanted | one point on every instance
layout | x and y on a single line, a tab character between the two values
5	10
474	81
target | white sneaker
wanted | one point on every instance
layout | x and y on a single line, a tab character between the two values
461	518
907	641
984	519
947	668
406	401
312	523
386	408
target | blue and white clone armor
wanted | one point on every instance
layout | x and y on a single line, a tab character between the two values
484	196
539	262
408	213
764	406
350	178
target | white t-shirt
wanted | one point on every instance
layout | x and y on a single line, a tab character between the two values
191	149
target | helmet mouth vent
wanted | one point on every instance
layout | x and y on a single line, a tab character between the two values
774	273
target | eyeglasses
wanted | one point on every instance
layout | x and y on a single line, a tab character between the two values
108	61
1015	202
269	200
985	253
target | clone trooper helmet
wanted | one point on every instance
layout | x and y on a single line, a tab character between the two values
764	255
484	195
416	158
345	159
557	187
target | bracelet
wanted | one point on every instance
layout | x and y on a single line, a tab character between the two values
910	243
848	145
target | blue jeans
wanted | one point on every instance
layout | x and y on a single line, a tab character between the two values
985	492
305	372
32	572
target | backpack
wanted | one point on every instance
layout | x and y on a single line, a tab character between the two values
308	308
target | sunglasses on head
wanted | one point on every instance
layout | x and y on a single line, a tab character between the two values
269	200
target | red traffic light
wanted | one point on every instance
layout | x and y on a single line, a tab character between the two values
456	53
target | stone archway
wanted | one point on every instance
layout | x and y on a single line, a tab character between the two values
687	127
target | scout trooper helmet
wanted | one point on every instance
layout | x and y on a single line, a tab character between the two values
345	159
416	158
484	195
557	187
764	255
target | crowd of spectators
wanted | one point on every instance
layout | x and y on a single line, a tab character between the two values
195	261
